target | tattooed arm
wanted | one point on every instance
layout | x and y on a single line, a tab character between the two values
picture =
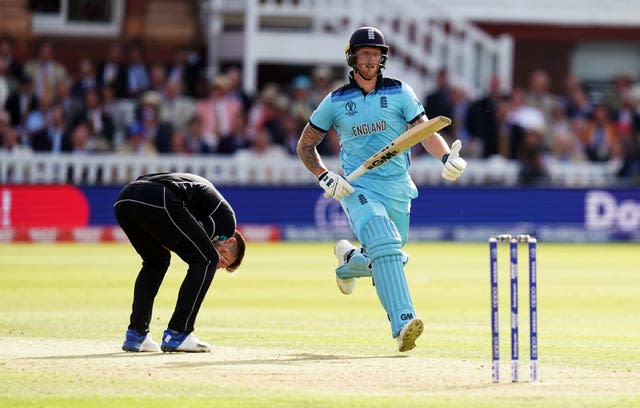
306	149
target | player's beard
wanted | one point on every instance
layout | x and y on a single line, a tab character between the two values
367	71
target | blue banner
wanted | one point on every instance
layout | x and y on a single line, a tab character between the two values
458	213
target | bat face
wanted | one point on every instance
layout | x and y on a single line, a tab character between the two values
386	154
400	144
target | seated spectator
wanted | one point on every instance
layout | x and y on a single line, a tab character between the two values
600	137
237	139
87	79
533	170
175	108
100	121
157	78
9	140
45	70
262	147
195	138
72	106
137	75
179	143
218	110
301	106
155	130
112	72
54	136
8	62
137	143
20	103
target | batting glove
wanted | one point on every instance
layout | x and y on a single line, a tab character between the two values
334	185
454	165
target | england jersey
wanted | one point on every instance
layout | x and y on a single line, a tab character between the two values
365	124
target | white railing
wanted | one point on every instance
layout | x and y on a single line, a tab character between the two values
422	35
117	169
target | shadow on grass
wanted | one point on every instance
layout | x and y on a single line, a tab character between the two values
284	359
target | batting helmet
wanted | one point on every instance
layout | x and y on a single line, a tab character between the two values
366	36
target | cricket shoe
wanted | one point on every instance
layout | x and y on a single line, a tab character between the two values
343	250
135	342
184	342
409	333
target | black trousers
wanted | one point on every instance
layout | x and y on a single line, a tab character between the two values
156	222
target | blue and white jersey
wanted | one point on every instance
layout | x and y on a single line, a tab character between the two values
366	123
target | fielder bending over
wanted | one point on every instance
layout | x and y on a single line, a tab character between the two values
368	112
182	213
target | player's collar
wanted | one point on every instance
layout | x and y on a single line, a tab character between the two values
353	82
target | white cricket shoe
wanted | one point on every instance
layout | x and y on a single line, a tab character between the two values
136	343
188	343
409	333
342	249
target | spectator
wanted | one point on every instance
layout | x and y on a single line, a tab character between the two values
12	67
8	85
54	136
87	79
321	84
157	78
621	84
82	141
40	118
531	156
179	143
20	103
137	75
155	130
9	140
185	71
218	110
137	143
176	108
99	120
45	70
440	102
112	72
600	137
236	92
301	106
539	96
520	118
262	147
483	123
72	106
566	145
195	138
237	138
264	109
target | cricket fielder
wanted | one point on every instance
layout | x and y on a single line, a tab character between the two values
185	214
368	112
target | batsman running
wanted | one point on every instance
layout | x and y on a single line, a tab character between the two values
369	112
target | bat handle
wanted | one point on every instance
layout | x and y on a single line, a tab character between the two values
356	173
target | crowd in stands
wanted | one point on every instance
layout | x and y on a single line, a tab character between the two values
124	104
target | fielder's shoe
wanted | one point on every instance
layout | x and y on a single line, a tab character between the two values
409	333
343	250
185	342
135	342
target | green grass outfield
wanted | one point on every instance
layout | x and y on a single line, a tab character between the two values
283	336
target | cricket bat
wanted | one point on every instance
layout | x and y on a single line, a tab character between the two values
403	142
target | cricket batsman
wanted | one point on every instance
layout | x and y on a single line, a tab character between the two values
368	112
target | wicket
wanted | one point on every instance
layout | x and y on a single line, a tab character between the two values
533	305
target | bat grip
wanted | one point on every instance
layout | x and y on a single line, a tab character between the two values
356	173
